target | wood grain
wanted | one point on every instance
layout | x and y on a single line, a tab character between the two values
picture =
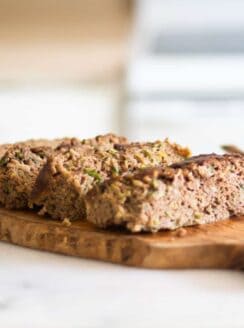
219	245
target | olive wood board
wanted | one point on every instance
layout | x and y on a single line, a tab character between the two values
218	245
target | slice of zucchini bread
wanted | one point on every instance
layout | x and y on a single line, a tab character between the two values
199	190
67	176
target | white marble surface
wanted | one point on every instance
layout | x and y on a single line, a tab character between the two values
38	289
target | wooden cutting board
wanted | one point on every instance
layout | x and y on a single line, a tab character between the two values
219	245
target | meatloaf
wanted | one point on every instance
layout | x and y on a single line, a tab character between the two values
19	168
199	190
22	162
32	143
108	138
67	176
98	141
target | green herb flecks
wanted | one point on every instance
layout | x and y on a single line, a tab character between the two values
115	170
3	161
19	155
94	174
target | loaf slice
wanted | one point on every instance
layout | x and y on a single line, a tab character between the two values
21	163
68	176
199	190
19	168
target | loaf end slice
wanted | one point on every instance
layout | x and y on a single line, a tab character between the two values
20	164
200	190
19	168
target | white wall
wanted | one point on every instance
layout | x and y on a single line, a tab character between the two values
39	112
203	126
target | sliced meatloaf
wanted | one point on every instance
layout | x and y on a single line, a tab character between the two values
67	176
19	168
21	163
200	190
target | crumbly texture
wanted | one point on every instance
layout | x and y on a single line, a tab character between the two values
100	140
109	138
3	149
19	168
36	143
200	190
32	143
68	176
21	163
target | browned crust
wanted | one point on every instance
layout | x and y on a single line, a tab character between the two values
188	163
201	159
42	181
163	172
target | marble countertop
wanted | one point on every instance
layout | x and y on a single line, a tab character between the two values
39	289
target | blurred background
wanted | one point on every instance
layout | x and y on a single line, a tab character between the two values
147	69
